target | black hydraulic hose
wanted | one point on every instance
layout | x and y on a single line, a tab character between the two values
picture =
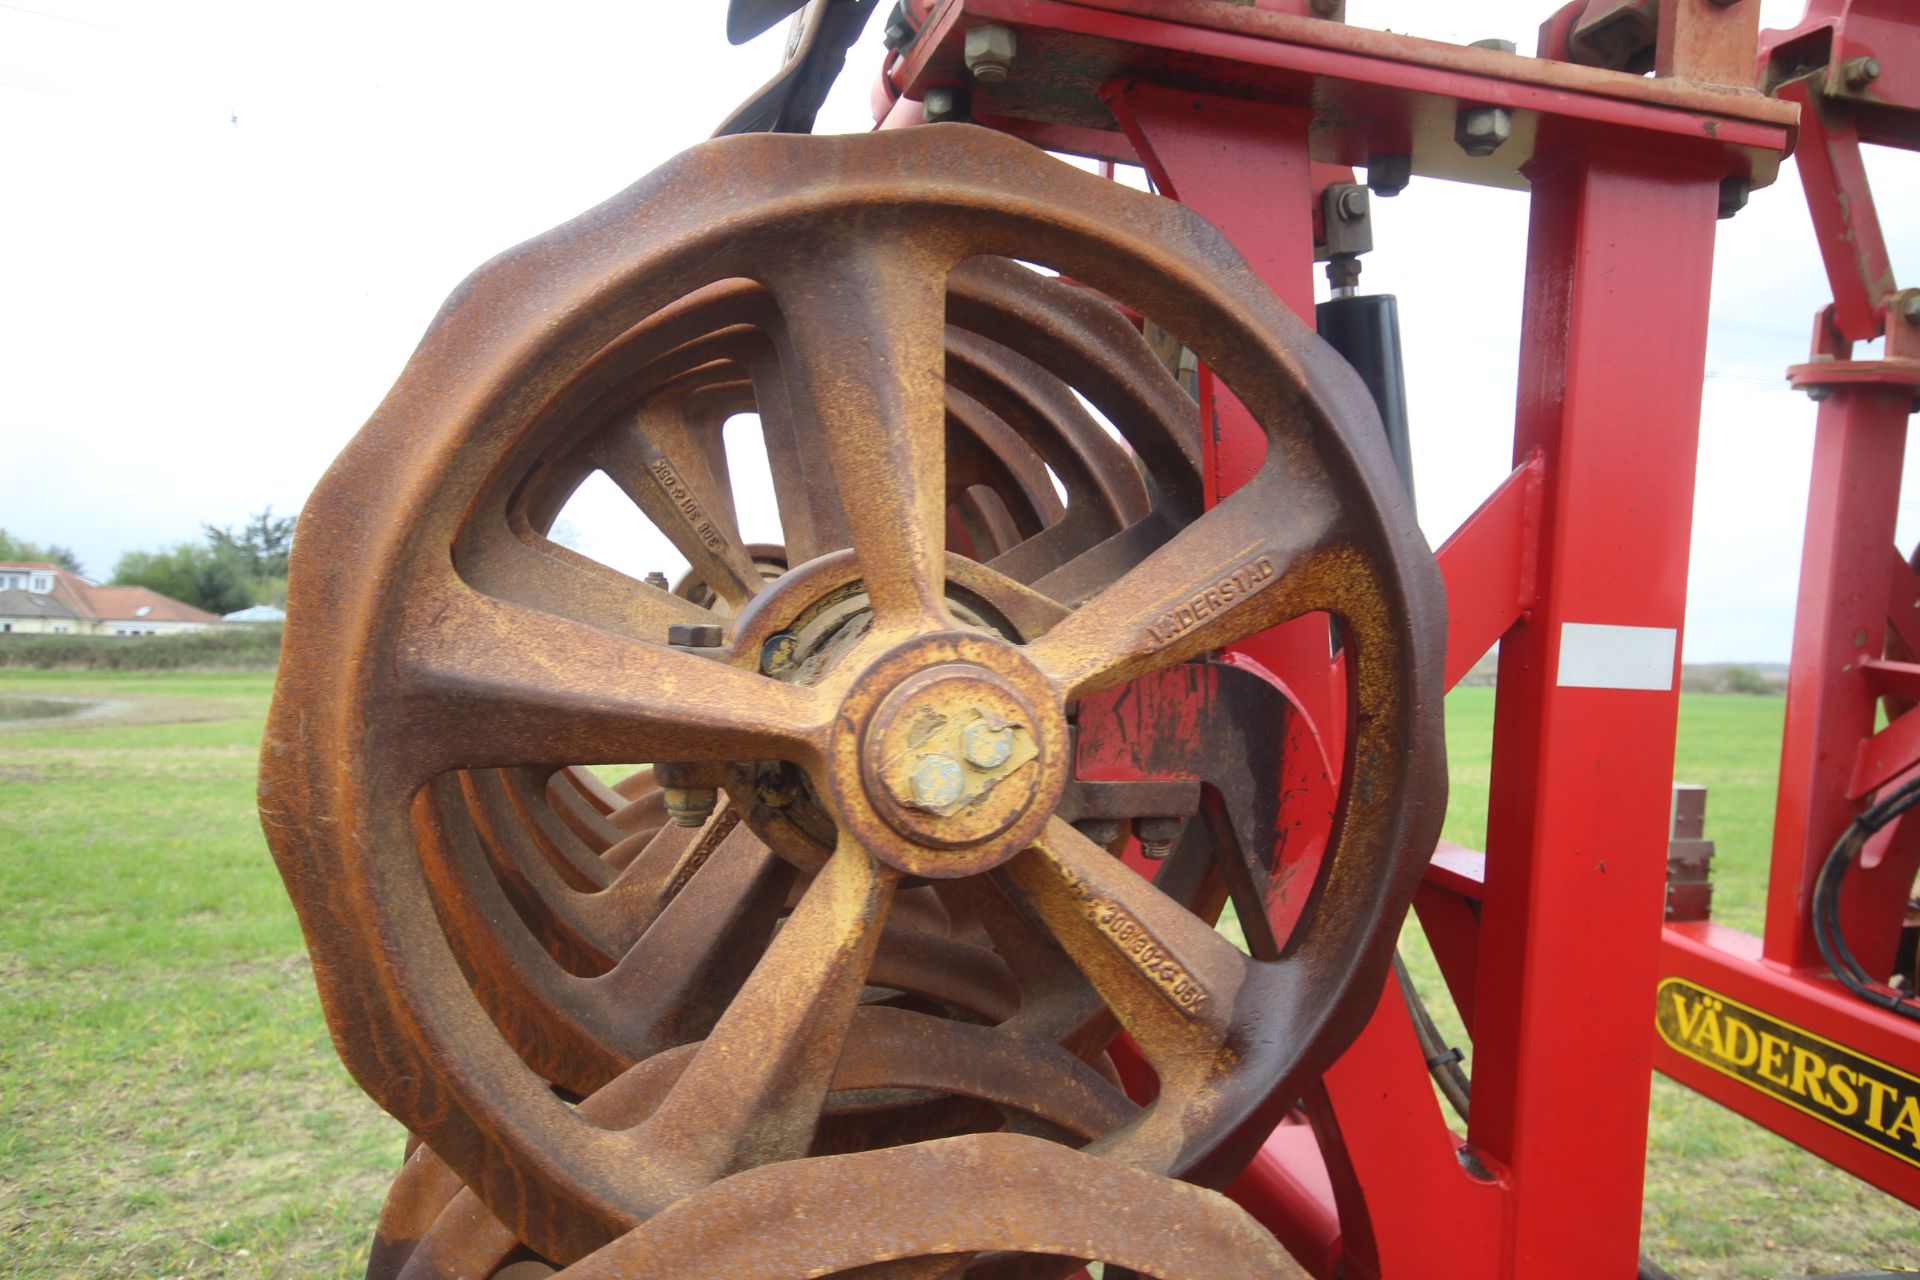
1827	933
1442	1059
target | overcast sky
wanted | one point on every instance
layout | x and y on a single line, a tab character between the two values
226	225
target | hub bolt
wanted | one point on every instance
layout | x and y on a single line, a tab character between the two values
937	782
689	806
988	746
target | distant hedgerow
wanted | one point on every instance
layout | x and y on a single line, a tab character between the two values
227	648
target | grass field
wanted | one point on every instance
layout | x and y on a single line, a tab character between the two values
1725	1198
170	1105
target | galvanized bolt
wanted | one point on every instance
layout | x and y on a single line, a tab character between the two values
694	635
1156	836
943	103
1481	131
1734	193
987	746
689	806
1860	72
989	51
937	782
1352	204
1343	274
898	34
659	579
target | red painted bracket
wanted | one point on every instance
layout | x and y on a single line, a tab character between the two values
1728	963
1895	749
1491	566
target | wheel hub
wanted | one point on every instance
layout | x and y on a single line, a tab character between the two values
950	757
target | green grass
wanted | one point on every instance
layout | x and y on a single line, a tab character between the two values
1726	1200
170	1104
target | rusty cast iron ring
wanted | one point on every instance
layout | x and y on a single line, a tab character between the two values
387	689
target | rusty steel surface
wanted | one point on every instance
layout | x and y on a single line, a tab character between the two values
879	975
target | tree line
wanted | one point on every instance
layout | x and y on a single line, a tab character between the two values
19	549
230	567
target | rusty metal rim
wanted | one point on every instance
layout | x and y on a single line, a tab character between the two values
1172	267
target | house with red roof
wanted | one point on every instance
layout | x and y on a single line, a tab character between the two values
45	599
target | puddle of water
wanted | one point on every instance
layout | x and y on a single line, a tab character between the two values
22	708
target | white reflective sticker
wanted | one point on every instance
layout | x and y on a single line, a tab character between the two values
1597	656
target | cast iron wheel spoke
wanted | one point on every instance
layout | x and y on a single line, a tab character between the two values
754	1091
653	460
811	520
661	870
1250	563
675	982
1092	346
571	924
1168	975
515	562
519	795
576	1031
1096	470
586	784
1056	1001
957	974
866	329
1037	613
488	683
581	815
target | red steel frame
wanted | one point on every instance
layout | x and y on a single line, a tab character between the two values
1857	625
1550	942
